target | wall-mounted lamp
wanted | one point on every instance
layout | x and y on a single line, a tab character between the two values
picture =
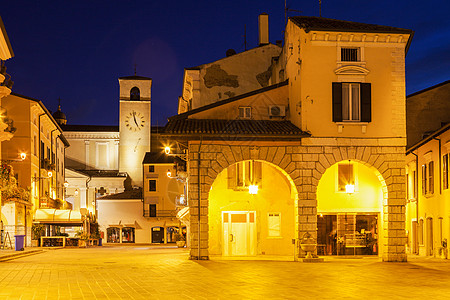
168	152
66	184
76	192
349	188
253	189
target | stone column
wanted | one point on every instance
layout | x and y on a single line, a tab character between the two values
198	203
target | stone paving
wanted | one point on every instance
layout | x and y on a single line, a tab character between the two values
144	272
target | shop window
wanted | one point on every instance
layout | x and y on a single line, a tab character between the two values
445	161
128	235
152	185
151	169
346	176
113	235
245	173
274	224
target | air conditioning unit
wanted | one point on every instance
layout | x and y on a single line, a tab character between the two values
277	111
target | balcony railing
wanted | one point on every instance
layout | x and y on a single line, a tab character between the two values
160	213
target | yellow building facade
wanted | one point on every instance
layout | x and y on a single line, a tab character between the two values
427	170
328	133
42	171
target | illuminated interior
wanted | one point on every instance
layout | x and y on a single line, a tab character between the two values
252	211
349	219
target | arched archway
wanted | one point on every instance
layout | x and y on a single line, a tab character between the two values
350	201
252	210
305	165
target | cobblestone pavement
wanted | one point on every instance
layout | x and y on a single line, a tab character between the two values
144	272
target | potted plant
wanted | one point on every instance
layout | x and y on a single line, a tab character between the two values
83	239
180	240
36	233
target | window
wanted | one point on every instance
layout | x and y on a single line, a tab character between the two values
245	173
431	177
274	224
445	171
152	185
350	54
42	150
428	178
245	112
351	102
345	176
135	94
151	169
152	210
414	184
424	179
34	145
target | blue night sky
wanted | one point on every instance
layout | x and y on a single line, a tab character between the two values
76	50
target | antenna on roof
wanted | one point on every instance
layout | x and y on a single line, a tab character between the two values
287	10
135	69
320	8
245	37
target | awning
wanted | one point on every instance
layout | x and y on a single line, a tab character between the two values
183	215
58	217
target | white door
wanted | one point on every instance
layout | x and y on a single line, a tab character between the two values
238	233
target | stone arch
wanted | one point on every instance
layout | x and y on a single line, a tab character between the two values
305	166
207	161
388	165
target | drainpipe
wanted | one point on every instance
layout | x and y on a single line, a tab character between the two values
40	158
199	194
440	167
87	190
57	166
416	191
51	160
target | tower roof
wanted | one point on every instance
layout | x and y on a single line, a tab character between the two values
135	77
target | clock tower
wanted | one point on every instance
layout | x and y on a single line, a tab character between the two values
134	125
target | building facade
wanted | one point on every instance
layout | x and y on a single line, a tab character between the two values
41	172
427	166
327	136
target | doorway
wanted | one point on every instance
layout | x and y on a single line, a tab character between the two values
347	234
157	235
430	239
239	233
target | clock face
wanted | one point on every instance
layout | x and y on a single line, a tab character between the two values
134	121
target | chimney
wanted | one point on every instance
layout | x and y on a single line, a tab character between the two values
263	20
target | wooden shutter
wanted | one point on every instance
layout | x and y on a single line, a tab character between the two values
231	170
366	102
337	102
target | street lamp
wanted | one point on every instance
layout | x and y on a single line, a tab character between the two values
168	152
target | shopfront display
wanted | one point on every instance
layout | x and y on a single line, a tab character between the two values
347	234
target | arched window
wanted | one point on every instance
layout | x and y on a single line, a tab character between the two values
135	94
